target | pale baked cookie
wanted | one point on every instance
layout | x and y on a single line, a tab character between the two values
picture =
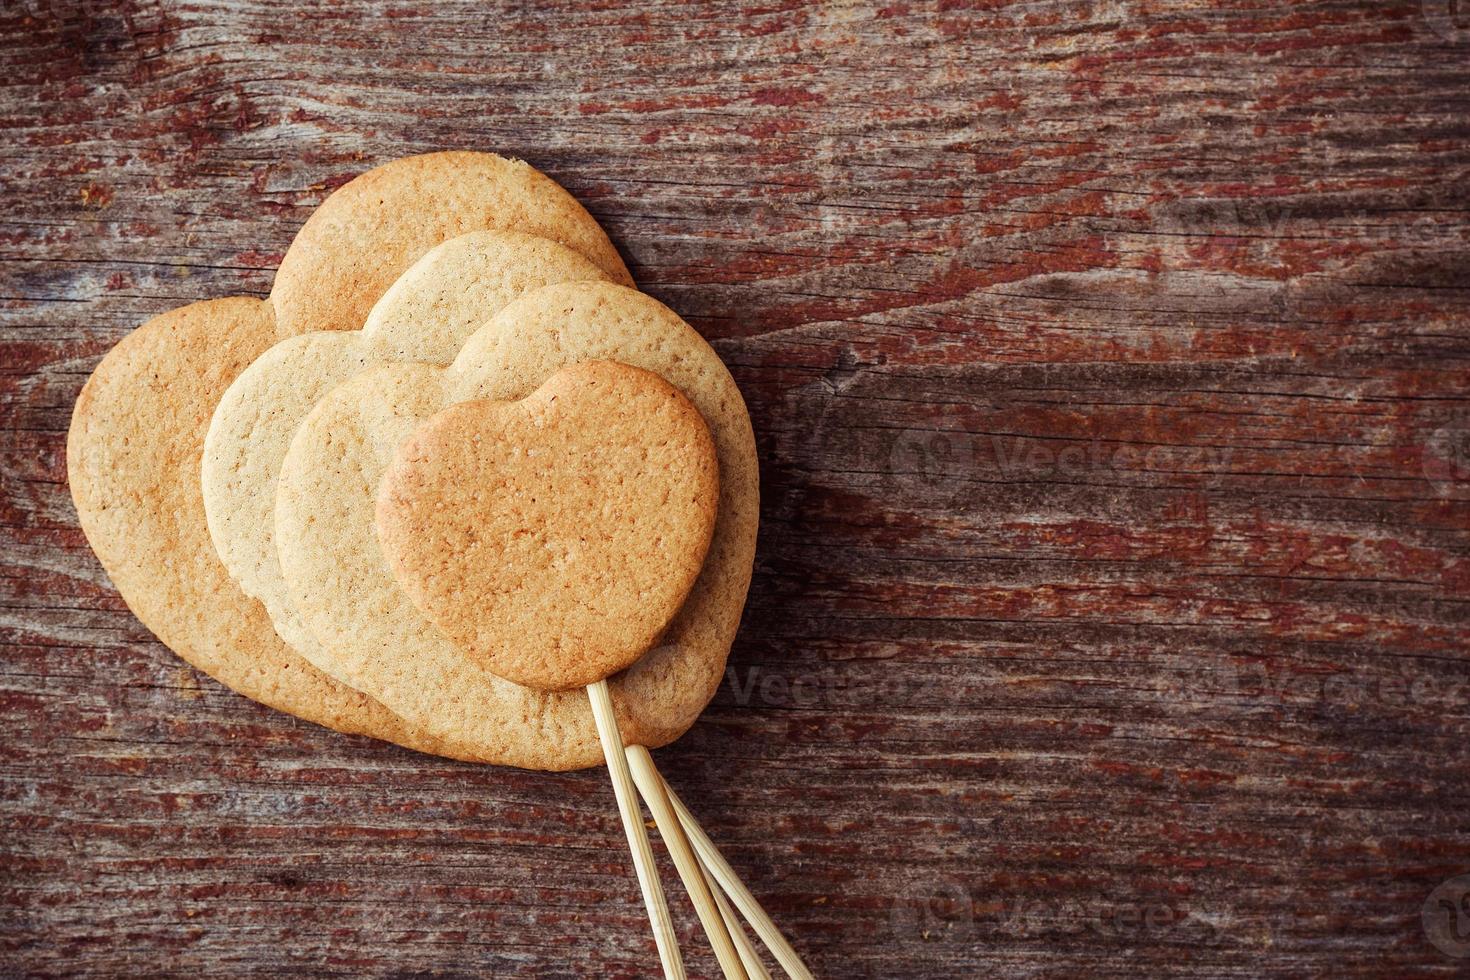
133	452
425	316
373	638
553	539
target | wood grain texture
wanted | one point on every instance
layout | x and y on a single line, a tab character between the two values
1111	366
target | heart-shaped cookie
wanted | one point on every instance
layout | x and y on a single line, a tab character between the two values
554	538
371	635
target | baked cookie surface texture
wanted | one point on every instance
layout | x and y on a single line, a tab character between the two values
553	539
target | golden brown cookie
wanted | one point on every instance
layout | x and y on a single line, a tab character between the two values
374	639
554	538
132	459
133	452
376	225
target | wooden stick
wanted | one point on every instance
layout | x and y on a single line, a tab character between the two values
651	785
622	780
726	878
743	946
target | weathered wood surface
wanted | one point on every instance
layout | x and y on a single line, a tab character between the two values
1111	368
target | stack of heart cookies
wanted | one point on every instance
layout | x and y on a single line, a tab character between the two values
455	484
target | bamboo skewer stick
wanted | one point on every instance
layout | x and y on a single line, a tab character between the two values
643	863
748	955
651	786
733	887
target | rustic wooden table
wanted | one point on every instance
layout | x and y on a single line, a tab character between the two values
1110	363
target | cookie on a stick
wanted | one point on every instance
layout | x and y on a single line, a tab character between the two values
370	634
553	539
